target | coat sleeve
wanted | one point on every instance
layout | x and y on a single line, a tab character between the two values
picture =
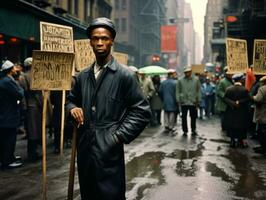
13	88
137	113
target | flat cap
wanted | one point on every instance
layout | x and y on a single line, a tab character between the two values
263	79
238	77
187	69
101	22
171	71
28	62
7	65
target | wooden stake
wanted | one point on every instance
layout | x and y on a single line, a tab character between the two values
44	178
62	122
72	166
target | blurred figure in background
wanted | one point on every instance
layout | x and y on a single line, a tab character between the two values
167	92
236	115
188	95
156	102
10	95
223	84
34	103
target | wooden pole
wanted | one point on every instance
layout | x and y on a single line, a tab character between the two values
62	122
72	165
44	178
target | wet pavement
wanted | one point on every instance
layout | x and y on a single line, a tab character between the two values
159	166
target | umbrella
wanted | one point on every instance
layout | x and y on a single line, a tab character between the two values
153	70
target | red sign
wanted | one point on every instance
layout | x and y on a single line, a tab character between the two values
168	39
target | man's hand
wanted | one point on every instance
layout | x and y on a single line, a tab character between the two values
77	114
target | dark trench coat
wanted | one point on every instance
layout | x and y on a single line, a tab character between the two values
112	105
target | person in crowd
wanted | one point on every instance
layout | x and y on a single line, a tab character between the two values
208	92
33	99
188	95
221	87
10	95
236	115
202	102
260	115
167	92
110	110
156	102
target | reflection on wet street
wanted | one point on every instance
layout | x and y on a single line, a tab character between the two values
161	166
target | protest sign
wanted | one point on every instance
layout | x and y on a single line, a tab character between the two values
236	54
259	57
51	70
84	55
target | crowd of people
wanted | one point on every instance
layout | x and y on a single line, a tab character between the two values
238	99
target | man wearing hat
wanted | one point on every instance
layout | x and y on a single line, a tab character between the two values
236	115
10	94
260	114
223	84
167	92
107	104
188	95
33	101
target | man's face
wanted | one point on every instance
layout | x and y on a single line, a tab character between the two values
101	42
188	74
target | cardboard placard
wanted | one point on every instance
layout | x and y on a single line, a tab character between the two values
236	54
56	38
122	58
259	57
51	70
84	55
197	68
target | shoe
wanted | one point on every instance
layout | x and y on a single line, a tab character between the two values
12	165
17	158
56	150
194	133
34	157
185	134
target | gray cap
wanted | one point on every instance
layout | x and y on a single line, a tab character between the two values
102	22
28	62
7	65
187	69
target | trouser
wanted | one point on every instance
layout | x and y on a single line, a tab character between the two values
32	149
193	116
222	120
262	135
208	104
169	119
8	137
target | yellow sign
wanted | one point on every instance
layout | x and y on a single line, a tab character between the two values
56	38
259	57
197	69
122	58
236	54
84	55
51	70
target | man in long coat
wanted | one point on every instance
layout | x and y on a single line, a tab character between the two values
107	103
236	115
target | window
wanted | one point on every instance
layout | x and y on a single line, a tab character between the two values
124	4
124	25
117	24
117	4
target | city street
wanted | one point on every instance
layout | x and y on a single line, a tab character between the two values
159	166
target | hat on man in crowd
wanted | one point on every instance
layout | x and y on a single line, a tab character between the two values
102	22
171	71
7	65
238	77
28	62
187	69
263	79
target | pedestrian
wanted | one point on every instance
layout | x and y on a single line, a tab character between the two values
208	92
107	104
167	92
10	96
188	95
33	99
156	102
221	87
260	114
236	115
